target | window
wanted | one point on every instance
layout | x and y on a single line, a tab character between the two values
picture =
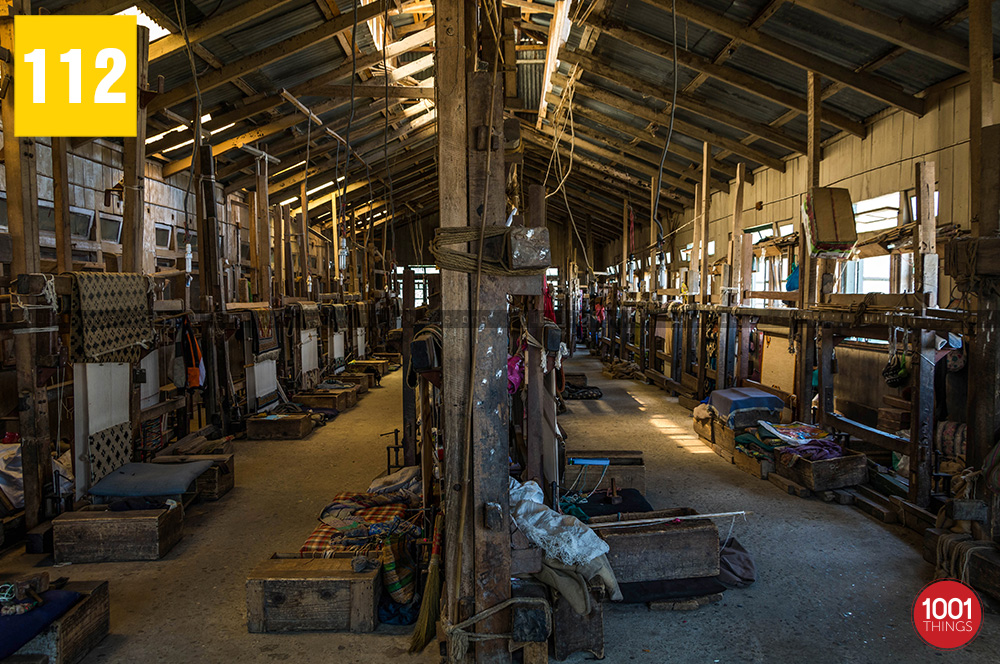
111	229
913	205
80	222
868	275
162	236
785	229
711	247
46	218
421	282
877	214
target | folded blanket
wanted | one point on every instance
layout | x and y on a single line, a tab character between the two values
815	451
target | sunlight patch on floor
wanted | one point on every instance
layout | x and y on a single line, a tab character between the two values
680	435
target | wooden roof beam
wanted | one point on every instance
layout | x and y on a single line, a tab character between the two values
899	30
873	86
729	75
685	101
241	14
662	119
264	57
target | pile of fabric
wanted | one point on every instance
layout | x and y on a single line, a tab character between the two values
619	369
573	555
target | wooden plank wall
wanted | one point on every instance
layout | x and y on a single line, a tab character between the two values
882	163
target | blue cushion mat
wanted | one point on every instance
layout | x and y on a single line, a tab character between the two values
15	631
150	479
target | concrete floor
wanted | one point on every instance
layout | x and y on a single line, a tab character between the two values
833	584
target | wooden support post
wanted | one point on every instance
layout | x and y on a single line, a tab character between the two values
623	277
983	413
490	431
451	54
278	218
980	109
539	435
704	291
353	255
60	204
409	397
261	211
335	247
304	239
133	237
22	215
286	248
694	264
806	357
209	259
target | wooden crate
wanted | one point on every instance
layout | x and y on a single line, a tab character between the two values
755	466
662	551
95	534
382	366
627	469
215	482
339	399
78	631
309	594
391	358
284	426
362	380
845	471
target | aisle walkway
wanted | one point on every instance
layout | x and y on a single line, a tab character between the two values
190	606
833	584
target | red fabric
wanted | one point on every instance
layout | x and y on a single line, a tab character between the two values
550	310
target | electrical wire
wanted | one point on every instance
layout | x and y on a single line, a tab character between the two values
670	128
182	16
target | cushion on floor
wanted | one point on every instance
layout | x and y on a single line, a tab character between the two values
15	631
150	479
741	407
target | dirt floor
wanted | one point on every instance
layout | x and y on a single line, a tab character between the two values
833	584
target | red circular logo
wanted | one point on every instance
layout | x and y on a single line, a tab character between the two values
947	614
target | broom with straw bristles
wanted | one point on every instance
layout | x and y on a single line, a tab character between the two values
424	629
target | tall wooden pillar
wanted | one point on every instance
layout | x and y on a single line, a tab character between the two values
262	241
925	283
540	407
22	215
806	357
453	21
134	255
60	203
278	219
980	107
409	395
304	238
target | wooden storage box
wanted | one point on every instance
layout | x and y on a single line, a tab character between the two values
95	534
339	399
215	482
382	366
661	551
716	432
78	631
391	358
627	469
362	380
845	471
284	426
310	594
756	466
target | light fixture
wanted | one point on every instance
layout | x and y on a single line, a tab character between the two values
289	201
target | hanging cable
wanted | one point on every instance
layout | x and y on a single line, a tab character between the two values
670	129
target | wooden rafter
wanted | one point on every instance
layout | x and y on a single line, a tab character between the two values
873	86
